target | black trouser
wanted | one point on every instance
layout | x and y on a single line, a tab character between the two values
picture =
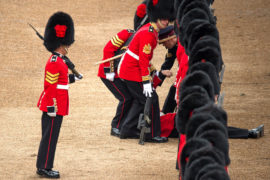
238	133
119	90
50	132
170	103
139	99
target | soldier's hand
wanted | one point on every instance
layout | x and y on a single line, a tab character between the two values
147	90
110	76
167	73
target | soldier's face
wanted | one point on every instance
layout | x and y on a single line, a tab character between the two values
170	43
162	23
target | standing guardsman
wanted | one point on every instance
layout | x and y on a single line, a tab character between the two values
54	100
135	67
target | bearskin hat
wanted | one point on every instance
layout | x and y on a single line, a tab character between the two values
211	151
217	112
198	78
187	27
190	146
195	13
195	121
201	4
207	54
200	31
186	106
140	15
195	166
209	69
211	124
59	31
212	171
218	140
203	41
160	9
207	151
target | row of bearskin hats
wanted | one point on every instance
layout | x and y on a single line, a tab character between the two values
205	154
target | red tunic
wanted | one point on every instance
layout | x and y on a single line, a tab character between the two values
135	64
109	50
182	58
55	86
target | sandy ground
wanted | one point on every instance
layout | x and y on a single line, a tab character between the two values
85	149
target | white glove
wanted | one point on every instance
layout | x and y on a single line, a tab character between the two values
147	90
51	111
110	76
77	79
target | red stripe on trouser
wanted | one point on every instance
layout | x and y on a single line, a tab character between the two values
123	103
49	144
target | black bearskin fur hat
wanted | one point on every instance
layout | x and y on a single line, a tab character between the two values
140	15
195	121
209	69
201	4
198	78
187	28
207	151
207	54
217	112
59	31
213	172
190	146
160	9
218	140
195	13
195	166
203	41
210	125
187	105
200	31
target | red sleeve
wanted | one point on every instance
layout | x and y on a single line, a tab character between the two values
50	81
113	45
148	43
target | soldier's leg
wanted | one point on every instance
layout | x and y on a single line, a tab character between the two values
120	91
170	103
50	132
129	127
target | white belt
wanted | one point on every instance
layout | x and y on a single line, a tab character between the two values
60	86
135	56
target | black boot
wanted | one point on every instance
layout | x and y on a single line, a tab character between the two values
256	132
48	173
115	132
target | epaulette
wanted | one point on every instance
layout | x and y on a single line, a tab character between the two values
151	29
54	58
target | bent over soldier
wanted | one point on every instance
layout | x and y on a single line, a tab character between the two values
109	76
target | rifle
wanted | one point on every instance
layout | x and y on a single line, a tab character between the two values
220	99
222	74
70	65
145	121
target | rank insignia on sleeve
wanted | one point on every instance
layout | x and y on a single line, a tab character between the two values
147	48
51	78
